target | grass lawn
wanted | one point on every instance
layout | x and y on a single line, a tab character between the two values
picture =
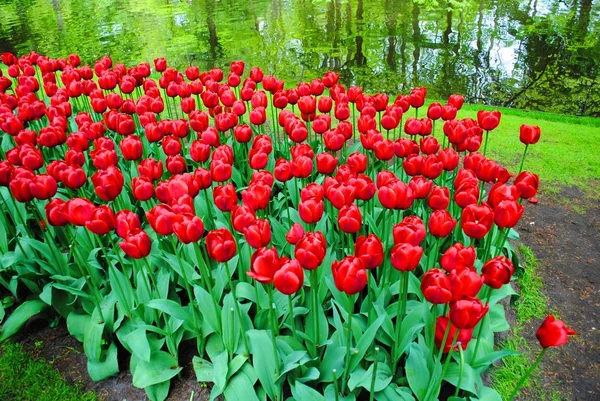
24	378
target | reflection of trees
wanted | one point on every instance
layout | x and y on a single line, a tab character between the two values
386	45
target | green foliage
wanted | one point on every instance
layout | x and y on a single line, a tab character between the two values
24	378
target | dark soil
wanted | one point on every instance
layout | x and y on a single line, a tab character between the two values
567	245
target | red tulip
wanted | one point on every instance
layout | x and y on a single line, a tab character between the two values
126	223
289	278
457	257
441	223
488	120
108	183
264	263
508	213
529	135
295	234
435	286
310	250
326	163
189	229
467	312
406	257
396	195
225	197
350	219
410	230
137	244
241	217
102	220
258	234
476	220
55	214
161	219
527	184
439	198
43	186
349	275
311	210
553	333
78	211
420	186
497	271
151	168
465	283
220	245
434	111
464	336
142	188
257	195
369	250
160	64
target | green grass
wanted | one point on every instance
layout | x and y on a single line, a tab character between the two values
531	305
23	378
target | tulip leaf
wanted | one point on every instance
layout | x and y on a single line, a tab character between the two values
235	365
470	379
161	367
20	316
493	357
220	365
240	387
208	310
105	367
382	379
93	336
158	391
265	362
488	394
137	341
302	392
498	318
417	372
204	370
230	324
330	395
395	393
171	308
365	342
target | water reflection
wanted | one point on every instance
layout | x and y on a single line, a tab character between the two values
540	54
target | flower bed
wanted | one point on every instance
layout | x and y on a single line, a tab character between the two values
303	238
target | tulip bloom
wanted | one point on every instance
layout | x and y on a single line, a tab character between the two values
258	234
349	275
289	278
410	230
295	234
102	220
457	257
310	250
529	135
311	210
435	286
488	120
553	333
369	250
527	184
508	213
137	244
467	312
441	325
497	271
477	220
78	211
264	263
189	229
441	223
220	245
465	283
350	219
406	257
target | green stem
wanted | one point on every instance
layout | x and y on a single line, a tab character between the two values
487	301
443	345
526	376
335	385
460	374
348	342
291	314
401	311
487	134
314	279
374	376
274	330
523	159
237	306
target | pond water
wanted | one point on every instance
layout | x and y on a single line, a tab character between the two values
536	54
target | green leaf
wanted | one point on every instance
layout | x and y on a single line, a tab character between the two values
204	370
102	368
138	343
161	367
395	393
365	342
302	392
333	359
158	391
20	316
220	366
230	324
417	372
264	360
469	377
208	310
171	308
498	319
382	379
93	336
77	324
330	395
240	387
493	357
236	364
488	394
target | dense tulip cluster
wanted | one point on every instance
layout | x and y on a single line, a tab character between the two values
150	206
